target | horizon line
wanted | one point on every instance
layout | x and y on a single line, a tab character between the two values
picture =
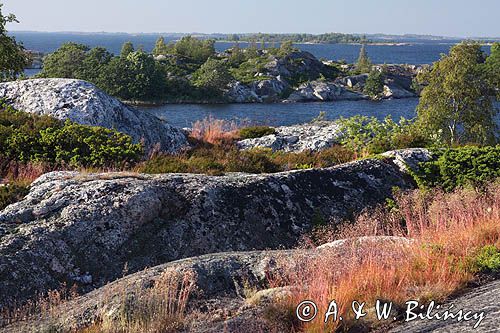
250	33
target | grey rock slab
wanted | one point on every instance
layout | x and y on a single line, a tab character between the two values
483	299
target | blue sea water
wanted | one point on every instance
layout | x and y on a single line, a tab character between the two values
281	114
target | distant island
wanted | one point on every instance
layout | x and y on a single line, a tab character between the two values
326	38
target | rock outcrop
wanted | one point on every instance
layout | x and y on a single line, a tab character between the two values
84	103
313	136
318	91
85	228
485	299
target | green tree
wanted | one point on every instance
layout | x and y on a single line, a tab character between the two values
456	103
364	65
94	63
115	78
136	77
212	75
237	57
493	67
195	49
127	48
374	85
286	48
160	47
13	58
66	62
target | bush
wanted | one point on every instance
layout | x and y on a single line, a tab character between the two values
460	167
488	259
374	84
367	136
256	132
10	194
30	138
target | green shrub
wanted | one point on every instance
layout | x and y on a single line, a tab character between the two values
30	138
459	167
374	85
256	132
10	194
488	259
365	135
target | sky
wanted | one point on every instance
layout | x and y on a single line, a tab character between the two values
454	18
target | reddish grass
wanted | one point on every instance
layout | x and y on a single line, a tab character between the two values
215	131
22	173
446	230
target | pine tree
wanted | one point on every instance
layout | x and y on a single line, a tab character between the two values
364	65
127	48
160	48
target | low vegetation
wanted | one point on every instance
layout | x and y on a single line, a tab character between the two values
27	138
219	159
253	132
368	135
466	166
159	309
11	193
447	239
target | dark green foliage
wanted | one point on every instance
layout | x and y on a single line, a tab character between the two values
161	48
363	65
493	67
135	77
127	48
13	58
31	138
367	136
374	85
194	49
459	167
488	259
10	194
66	62
212	76
256	132
94	64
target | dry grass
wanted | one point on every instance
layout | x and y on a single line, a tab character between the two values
22	173
40	308
447	231
159	309
215	131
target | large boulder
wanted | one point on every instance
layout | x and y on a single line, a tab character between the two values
313	136
86	228
84	103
